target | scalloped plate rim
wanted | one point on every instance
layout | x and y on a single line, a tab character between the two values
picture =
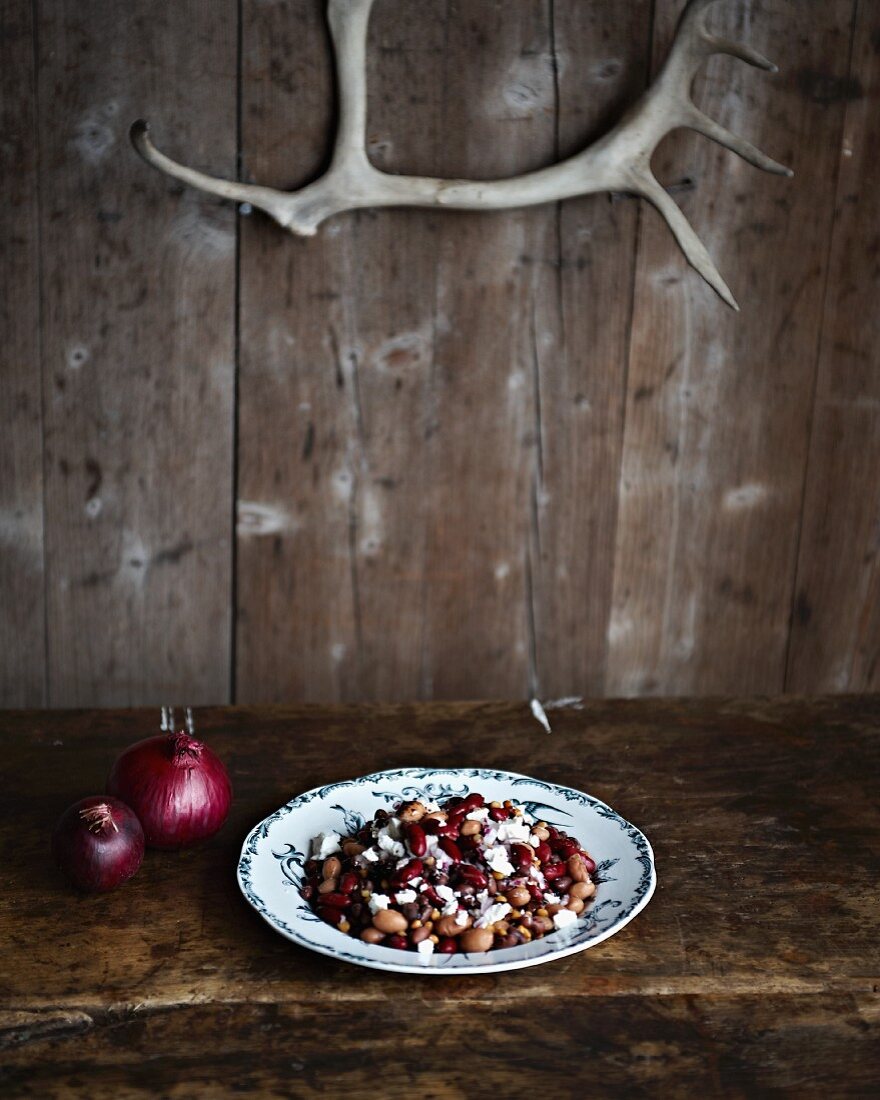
364	954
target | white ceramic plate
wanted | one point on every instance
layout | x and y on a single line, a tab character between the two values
270	870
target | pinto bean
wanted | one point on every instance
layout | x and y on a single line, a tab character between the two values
390	921
332	868
477	939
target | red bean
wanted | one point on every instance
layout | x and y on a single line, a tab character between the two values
397	941
473	875
447	830
447	946
522	856
467	843
308	892
589	863
456	816
450	848
543	851
415	836
534	889
553	871
335	900
348	883
413	869
498	813
567	847
330	915
474	801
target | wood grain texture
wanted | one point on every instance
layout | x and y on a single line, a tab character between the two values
718	404
835	633
22	608
138	279
753	970
581	314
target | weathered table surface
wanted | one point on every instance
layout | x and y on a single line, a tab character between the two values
755	969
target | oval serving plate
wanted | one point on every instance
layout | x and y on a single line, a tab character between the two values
270	870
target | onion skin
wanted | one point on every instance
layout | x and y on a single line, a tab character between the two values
176	785
98	843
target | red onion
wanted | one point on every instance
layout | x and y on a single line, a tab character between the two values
178	788
98	843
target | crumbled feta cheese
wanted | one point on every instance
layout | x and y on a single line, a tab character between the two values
445	892
325	844
498	860
431	807
535	840
369	855
387	844
415	881
564	918
402	897
537	875
378	901
495	912
461	918
425	886
551	899
431	843
514	830
426	950
480	814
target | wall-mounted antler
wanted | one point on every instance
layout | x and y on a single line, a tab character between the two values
619	161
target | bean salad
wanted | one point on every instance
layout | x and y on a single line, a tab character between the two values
461	875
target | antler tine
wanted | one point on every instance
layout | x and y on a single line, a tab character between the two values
274	203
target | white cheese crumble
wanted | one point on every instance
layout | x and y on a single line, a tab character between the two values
378	901
426	949
564	918
480	814
403	897
387	844
461	918
450	908
498	860
494	913
325	844
514	830
445	892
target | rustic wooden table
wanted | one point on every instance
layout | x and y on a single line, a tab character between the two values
753	971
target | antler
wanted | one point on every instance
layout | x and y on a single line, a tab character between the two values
619	161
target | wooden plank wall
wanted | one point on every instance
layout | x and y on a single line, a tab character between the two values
428	454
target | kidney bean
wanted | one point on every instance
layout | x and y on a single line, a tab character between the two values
553	871
542	925
510	940
447	946
372	935
412	870
389	920
348	883
307	892
492	887
562	884
543	851
410	910
447	830
450	848
398	942
330	915
456	816
416	839
466	890
522	856
534	889
467	843
589	863
476	939
328	886
336	901
473	875
356	910
474	801
498	813
566	848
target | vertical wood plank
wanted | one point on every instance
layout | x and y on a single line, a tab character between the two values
296	636
498	119
22	617
718	404
835	643
582	320
138	351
